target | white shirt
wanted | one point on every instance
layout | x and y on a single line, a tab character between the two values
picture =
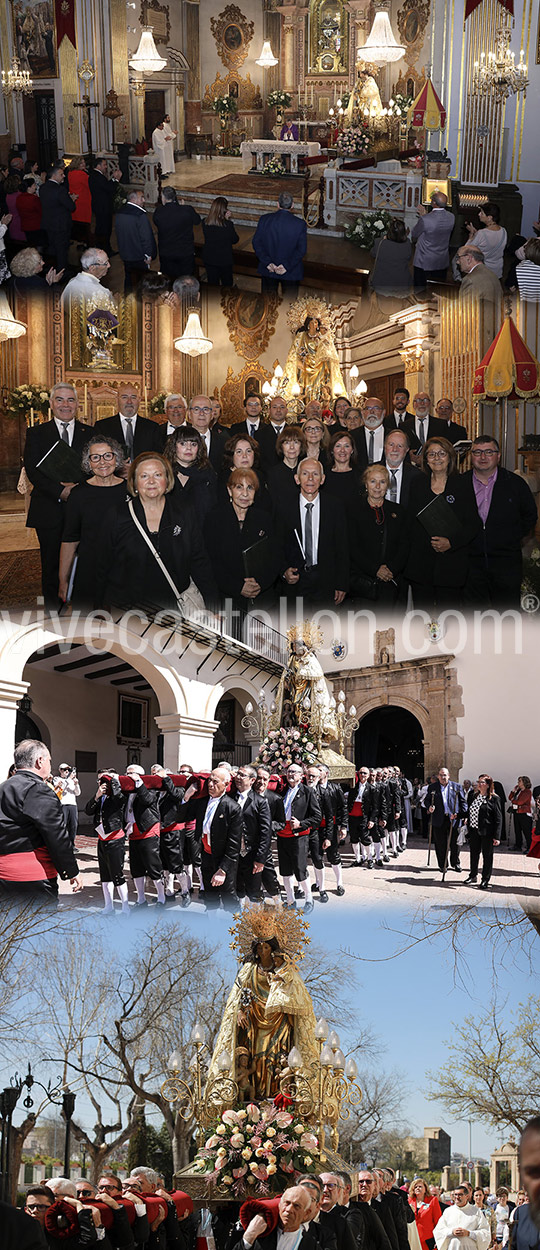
378	441
418	427
398	474
289	799
253	423
315	521
209	815
68	425
288	1241
126	427
399	417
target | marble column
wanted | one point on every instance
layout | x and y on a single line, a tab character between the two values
187	740
192	50
288	13
11	692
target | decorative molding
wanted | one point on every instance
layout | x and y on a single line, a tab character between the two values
236	386
409	75
157	16
412	20
245	91
233	34
251	320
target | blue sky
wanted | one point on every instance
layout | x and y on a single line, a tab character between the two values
410	1000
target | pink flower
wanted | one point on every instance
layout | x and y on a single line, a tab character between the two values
237	1172
230	1117
283	1119
221	1162
253	1112
308	1141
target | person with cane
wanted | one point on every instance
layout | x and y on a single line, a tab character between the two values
446	804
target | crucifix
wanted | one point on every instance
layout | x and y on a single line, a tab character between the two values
87	119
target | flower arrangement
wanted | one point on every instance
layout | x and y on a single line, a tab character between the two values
275	167
157	404
355	141
283	747
530	582
225	105
278	99
368	227
257	1150
400	104
26	396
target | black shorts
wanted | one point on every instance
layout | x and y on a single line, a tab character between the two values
171	849
111	860
292	856
192	849
144	858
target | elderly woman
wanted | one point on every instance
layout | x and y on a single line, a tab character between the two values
427	1212
195	485
102	459
484	825
242	542
491	238
28	267
379	546
444	521
317	439
149	549
291	448
352	419
243	452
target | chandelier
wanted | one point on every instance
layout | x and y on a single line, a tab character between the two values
147	59
381	47
267	58
16	81
497	74
193	342
10	328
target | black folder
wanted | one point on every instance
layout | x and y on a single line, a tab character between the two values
440	520
62	463
258	560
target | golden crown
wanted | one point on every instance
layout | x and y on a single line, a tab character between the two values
259	923
309	306
306	631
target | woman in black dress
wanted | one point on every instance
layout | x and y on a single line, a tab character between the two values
87	506
128	572
282	484
484	825
195	484
243	452
233	531
437	565
219	237
379	547
317	439
342	477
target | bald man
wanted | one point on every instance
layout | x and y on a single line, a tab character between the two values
134	433
314	540
432	237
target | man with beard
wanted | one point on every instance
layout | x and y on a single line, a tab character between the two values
462	1226
526	1219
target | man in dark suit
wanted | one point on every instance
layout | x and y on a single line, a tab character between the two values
47	503
369	437
136	240
294	1206
445	802
135	434
397	461
218	827
315	547
363	807
454	432
175	416
174	223
302	813
268	434
399	415
102	192
280	244
20	1231
35	847
333	1215
57	205
508	513
334	825
253	423
256	846
375	1236
200	417
423	425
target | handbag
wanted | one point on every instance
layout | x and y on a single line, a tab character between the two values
190	600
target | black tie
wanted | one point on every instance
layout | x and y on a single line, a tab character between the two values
252	431
422	435
393	487
129	437
64	435
309	536
371	452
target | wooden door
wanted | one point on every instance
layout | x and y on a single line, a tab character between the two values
154	112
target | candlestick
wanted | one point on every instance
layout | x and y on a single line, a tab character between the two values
146	399
31	417
86	399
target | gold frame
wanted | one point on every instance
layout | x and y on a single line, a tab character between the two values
233	391
229	17
128	353
27	7
249	95
430	185
152	6
250	341
341	58
422	9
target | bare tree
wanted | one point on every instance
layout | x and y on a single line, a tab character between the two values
381	1102
493	1068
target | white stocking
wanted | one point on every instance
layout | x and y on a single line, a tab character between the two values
108	894
201	882
377	850
139	886
393	839
404	832
338	873
189	876
160	888
358	849
289	888
306	886
170	883
184	882
123	895
384	841
319	877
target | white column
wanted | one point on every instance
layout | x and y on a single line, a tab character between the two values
187	740
11	692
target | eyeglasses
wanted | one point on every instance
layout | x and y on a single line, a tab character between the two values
37	1206
436	455
364	1183
107	456
197	409
85	1193
108	1189
491	452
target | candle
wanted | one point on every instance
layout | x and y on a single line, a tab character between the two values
86	399
146	399
50	414
31	417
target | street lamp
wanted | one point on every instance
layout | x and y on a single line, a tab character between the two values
68	1107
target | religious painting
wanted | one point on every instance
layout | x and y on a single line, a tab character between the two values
412	20
34	34
251	319
106	339
233	34
233	90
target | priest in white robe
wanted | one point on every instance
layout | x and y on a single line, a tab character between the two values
163	146
462	1226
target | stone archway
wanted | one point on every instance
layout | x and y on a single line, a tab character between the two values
389	735
427	687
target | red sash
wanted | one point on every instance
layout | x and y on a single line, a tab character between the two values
171	828
356	809
287	832
34	865
112	837
153	832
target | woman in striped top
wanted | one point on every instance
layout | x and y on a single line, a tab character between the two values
484	825
528	272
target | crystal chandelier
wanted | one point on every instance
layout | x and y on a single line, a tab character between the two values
497	74
267	58
10	328
147	59
193	342
380	47
16	81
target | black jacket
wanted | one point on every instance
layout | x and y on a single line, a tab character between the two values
218	245
408	475
226	542
199	494
456	802
257	827
336	1221
307	1241
108	810
134	235
333	808
306	808
375	1236
46	510
435	427
20	1231
267	439
277	811
145	807
377	542
102	193
512	515
332	564
390	423
127	572
146	435
447	568
32	823
169	799
489	816
225	832
57	208
174	224
373	804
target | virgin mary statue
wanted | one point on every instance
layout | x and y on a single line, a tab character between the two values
269	1009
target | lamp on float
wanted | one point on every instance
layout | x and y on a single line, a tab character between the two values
10	328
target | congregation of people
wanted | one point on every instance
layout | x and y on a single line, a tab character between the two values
244	832
352	504
318	1211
